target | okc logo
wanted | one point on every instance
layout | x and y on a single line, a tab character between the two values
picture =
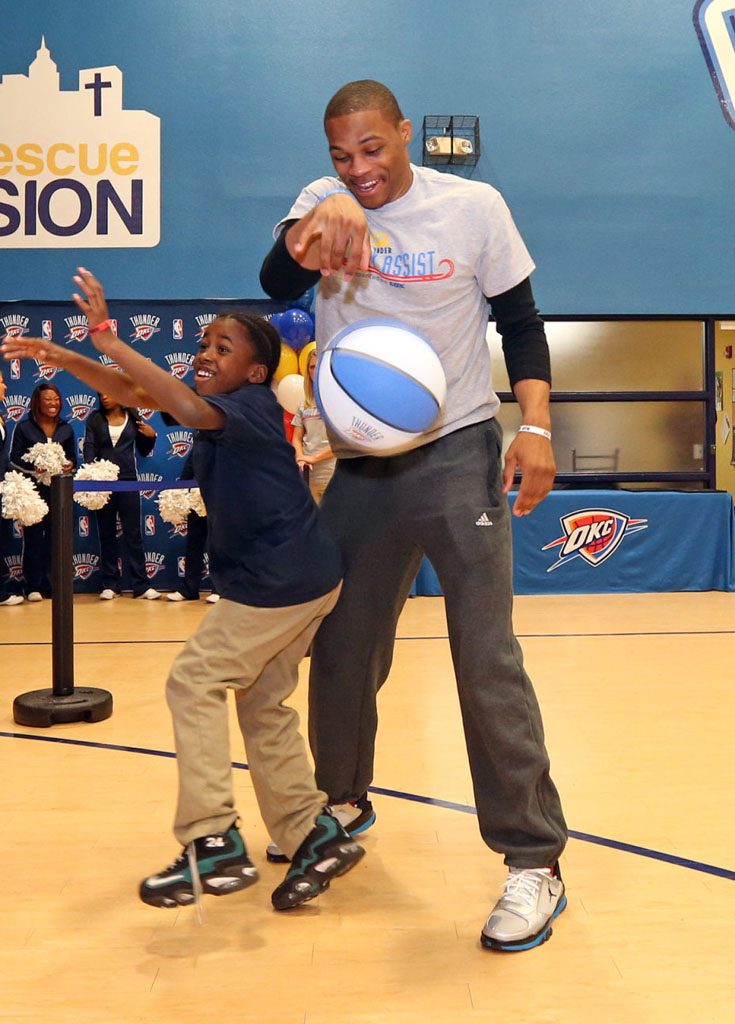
714	23
78	327
593	534
359	430
17	406
14	565
44	372
154	562
181	443
81	406
179	529
85	565
203	322
149	478
180	363
144	326
106	361
15	326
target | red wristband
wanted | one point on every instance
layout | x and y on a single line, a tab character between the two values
104	326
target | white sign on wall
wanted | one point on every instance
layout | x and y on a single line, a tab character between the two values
76	170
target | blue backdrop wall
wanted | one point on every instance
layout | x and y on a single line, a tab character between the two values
168	333
600	124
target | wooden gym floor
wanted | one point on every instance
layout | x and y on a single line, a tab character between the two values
639	703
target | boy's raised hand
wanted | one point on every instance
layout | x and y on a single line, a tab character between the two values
92	302
33	348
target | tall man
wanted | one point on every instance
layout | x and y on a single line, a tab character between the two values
388	238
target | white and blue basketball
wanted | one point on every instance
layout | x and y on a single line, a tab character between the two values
379	385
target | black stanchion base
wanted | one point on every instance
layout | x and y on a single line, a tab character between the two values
42	708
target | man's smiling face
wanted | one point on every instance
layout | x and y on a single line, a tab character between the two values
370	155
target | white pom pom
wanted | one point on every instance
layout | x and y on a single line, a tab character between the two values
48	460
100	469
21	500
174	506
197	502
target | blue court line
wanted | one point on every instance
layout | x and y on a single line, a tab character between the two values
520	636
450	805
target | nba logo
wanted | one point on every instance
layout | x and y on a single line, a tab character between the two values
181	564
84	526
17	530
47	331
150	526
178	329
15	369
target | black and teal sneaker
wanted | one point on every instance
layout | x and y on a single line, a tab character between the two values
354	817
327	852
217	864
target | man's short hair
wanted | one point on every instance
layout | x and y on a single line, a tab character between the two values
364	94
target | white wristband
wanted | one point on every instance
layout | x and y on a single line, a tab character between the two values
525	428
337	192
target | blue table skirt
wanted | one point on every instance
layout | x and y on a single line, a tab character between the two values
619	542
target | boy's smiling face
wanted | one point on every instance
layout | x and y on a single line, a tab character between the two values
226	359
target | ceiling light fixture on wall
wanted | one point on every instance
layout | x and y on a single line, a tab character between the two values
451	139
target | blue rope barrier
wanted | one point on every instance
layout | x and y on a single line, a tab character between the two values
134	485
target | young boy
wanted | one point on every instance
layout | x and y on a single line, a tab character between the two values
278	574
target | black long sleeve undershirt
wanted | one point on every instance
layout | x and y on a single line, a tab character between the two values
281	276
517	319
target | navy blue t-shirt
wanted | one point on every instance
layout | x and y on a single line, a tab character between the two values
266	544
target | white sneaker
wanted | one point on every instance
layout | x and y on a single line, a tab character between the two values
12	599
107	594
149	595
521	919
34	596
174	596
275	854
355	817
213	599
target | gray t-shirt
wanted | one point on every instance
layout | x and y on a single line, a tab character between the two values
437	252
315	432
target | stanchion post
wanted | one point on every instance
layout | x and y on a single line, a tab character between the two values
62	703
62	584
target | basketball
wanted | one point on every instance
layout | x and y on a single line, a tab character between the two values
379	385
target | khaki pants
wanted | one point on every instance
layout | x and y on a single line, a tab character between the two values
256	653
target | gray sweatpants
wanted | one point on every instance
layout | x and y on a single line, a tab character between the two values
444	500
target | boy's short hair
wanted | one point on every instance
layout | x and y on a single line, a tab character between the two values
365	94
264	337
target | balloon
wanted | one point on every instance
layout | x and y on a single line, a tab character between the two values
291	392
274	319
307	300
288	363
296	327
304	356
